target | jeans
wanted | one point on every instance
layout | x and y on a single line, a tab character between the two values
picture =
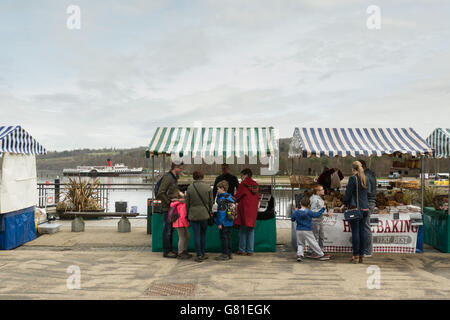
368	231
225	238
167	234
199	228
358	237
246	239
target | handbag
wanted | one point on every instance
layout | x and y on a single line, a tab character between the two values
211	216
353	214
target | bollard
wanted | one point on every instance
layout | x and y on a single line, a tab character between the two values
124	225
78	224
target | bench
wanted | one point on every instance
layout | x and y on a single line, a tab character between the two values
78	223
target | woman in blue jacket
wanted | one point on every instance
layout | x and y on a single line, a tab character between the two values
357	182
224	220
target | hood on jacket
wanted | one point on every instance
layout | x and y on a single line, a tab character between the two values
251	184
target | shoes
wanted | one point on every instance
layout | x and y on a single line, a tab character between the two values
198	259
205	256
360	260
354	260
170	255
222	257
184	256
230	257
367	256
299	258
249	253
313	256
240	253
324	257
187	253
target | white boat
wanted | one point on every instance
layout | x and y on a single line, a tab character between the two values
97	171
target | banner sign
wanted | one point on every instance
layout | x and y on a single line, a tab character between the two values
390	235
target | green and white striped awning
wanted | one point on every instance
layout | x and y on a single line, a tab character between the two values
213	142
439	140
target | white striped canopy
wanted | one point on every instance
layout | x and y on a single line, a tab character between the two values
439	140
342	142
14	139
213	142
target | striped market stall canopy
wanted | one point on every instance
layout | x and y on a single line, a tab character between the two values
214	142
14	139
439	140
342	142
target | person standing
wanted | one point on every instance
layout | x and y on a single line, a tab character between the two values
356	193
317	203
199	203
303	217
372	198
247	197
167	192
232	180
325	178
225	224
181	225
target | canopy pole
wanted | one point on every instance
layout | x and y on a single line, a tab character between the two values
164	163
292	188
422	181
153	178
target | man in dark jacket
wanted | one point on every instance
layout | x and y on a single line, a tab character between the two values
233	181
371	196
325	178
168	191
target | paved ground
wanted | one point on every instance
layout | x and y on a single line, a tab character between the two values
121	266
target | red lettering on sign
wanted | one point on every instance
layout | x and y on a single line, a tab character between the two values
394	225
387	228
414	228
380	226
407	226
347	226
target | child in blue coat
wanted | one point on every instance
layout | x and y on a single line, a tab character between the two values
303	217
223	220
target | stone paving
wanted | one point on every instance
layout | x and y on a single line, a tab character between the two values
121	266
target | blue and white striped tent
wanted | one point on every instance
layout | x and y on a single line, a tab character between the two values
14	139
439	140
342	142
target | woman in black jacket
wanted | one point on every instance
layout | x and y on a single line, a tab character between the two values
357	181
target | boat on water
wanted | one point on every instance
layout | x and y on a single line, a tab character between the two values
103	171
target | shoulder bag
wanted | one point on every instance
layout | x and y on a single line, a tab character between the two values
354	214
211	216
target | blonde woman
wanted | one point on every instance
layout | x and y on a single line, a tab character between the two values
357	182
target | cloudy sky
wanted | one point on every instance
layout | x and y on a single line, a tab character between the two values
138	64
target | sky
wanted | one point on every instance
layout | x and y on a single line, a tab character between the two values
136	65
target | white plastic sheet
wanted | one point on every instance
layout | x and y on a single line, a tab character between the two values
18	183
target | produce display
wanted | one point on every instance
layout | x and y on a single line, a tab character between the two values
440	202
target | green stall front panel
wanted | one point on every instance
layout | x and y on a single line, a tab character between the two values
265	236
437	229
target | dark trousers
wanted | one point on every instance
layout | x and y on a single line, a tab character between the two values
199	228
358	235
225	238
167	234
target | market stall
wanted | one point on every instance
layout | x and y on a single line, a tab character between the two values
199	145
436	219
395	224
18	193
